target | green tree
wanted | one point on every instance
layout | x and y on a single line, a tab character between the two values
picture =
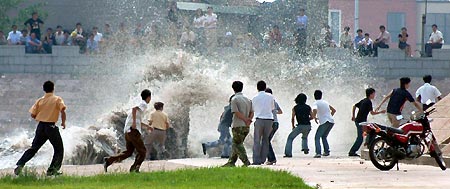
11	14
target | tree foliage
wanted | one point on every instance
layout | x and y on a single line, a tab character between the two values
11	12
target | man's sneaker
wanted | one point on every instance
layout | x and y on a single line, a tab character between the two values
246	164
256	163
305	151
106	164
287	156
317	156
271	162
326	154
224	157
229	165
18	170
354	155
204	148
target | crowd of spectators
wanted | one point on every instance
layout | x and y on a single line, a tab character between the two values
200	35
363	45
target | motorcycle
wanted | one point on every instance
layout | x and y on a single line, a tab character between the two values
387	145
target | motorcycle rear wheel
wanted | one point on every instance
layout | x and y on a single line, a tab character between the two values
378	154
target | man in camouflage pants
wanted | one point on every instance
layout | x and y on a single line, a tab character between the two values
241	107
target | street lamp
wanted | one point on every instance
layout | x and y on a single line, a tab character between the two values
424	21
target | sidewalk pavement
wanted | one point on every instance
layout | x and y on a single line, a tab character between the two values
326	172
344	172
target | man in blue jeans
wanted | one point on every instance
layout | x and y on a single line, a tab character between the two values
225	136
323	114
271	158
302	112
364	108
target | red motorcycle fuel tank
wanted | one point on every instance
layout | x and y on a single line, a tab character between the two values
412	128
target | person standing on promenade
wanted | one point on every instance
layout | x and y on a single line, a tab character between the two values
323	114
428	94
303	113
46	111
364	108
159	121
132	130
241	107
262	104
271	158
397	99
225	137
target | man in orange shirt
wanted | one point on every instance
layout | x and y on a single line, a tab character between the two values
46	111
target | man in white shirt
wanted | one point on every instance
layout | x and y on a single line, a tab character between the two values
365	45
323	114
262	104
14	36
59	36
97	35
428	94
382	40
435	42
133	132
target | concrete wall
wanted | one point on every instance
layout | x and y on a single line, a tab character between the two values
392	63
63	60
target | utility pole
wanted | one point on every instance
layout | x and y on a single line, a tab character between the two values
424	21
356	15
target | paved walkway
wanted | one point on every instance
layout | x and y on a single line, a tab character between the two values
327	172
343	172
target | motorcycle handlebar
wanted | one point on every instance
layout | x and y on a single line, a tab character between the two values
428	112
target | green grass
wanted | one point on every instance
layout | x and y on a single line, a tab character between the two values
188	178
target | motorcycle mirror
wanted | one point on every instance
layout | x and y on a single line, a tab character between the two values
399	117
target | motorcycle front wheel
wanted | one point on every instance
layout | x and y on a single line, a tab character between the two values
439	160
380	156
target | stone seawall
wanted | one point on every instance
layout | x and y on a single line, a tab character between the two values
393	63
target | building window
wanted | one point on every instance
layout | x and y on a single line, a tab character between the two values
395	22
334	21
442	20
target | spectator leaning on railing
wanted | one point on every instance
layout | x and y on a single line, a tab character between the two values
49	39
365	46
33	45
346	39
24	37
59	36
3	40
358	38
14	36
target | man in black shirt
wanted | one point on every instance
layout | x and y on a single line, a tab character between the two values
302	113
397	99
34	25
364	108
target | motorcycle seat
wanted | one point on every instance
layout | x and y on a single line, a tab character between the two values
391	129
